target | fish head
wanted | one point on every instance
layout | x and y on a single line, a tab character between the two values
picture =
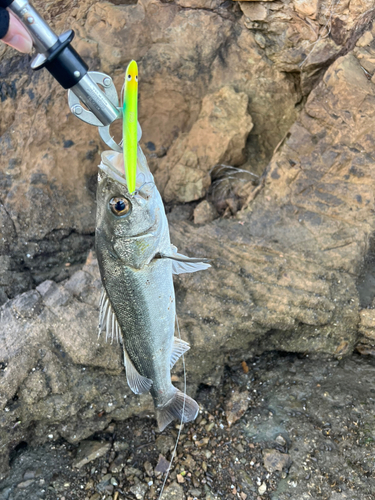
130	225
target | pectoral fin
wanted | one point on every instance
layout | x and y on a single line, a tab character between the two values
179	348
183	264
137	383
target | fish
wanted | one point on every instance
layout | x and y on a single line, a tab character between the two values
130	124
137	262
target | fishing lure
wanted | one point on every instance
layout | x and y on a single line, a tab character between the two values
130	125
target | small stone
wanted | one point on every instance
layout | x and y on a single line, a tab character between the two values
52	294
78	282
274	460
148	468
204	212
210	426
254	11
139	490
240	448
164	444
27	304
180	478
280	440
365	39
202	442
120	446
104	483
308	8
173	492
243	495
189	463
195	492
25	484
89	484
132	471
29	474
211	496
162	465
236	406
95	496
262	489
90	450
118	464
111	428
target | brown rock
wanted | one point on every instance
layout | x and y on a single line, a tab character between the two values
274	460
174	492
367	323
90	450
218	136
162	465
254	11
307	7
204	212
54	224
199	4
164	444
236	406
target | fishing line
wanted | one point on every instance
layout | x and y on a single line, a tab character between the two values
182	418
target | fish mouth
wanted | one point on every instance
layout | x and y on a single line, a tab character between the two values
112	165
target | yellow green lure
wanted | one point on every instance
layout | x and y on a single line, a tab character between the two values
130	124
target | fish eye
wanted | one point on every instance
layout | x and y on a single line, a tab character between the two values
129	78
120	206
136	78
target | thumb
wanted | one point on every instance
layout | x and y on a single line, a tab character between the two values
17	36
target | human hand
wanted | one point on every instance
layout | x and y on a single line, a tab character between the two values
13	33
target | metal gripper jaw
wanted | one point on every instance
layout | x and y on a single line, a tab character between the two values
106	113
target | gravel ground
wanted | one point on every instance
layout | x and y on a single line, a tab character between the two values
301	428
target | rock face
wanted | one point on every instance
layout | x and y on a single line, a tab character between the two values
192	56
218	136
292	271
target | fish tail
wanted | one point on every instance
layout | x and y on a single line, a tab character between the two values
180	406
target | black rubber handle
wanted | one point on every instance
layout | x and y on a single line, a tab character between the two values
64	63
5	3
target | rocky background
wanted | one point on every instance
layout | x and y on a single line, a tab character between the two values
282	89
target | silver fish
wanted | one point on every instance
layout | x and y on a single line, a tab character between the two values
137	305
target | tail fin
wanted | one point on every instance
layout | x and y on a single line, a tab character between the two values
181	407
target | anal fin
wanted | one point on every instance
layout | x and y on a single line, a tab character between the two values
179	348
137	383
